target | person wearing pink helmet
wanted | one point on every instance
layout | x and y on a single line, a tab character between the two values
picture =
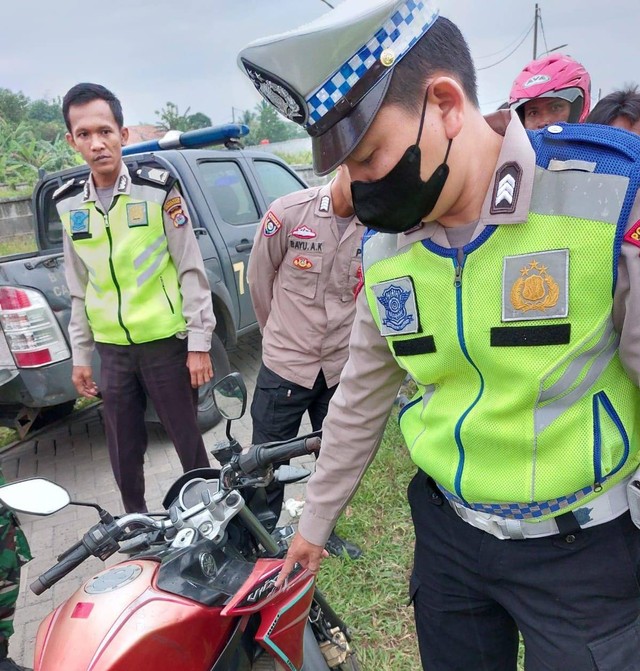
551	89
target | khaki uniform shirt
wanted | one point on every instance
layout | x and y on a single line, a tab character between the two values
302	277
197	307
360	407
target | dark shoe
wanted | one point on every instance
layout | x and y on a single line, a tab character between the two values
338	547
8	664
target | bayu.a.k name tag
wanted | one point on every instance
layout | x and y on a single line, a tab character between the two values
536	286
396	303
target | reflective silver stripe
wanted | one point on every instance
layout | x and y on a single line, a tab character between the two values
575	367
65	205
601	510
549	413
379	247
579	194
149	193
426	397
149	251
150	270
585	166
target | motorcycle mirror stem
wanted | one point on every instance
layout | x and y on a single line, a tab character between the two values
105	516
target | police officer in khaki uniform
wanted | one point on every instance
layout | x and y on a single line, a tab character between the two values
303	271
502	273
139	293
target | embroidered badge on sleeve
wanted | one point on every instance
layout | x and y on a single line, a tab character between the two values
173	207
633	234
271	225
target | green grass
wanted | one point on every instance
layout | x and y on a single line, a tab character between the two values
299	158
18	244
371	594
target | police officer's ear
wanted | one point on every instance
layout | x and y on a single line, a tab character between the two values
124	135
448	100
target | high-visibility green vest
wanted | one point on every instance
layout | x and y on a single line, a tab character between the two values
133	294
522	398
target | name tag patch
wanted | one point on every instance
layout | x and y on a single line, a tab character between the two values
396	302
79	220
536	286
137	214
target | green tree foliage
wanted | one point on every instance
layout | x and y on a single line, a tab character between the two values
170	118
13	106
265	123
31	138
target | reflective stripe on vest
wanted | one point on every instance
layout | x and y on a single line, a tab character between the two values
133	294
522	397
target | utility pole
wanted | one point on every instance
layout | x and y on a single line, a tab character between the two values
535	32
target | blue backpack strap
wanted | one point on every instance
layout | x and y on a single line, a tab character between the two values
613	151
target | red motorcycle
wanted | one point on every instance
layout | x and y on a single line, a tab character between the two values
197	591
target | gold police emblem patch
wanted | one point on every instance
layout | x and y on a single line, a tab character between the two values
137	214
535	290
535	286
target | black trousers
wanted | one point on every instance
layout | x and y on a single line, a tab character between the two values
128	373
277	410
574	598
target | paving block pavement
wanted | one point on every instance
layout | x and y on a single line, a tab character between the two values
75	456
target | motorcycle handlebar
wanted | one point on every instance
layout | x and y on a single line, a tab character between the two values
262	456
69	561
87	547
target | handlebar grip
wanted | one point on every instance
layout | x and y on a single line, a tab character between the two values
61	569
296	448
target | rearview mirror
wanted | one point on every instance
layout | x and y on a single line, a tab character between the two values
35	496
230	396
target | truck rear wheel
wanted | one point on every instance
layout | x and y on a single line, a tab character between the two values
208	415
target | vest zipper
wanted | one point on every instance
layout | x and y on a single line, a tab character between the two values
459	266
115	279
166	295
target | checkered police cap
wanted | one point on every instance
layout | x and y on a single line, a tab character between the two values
331	75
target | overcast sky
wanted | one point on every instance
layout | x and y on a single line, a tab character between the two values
152	51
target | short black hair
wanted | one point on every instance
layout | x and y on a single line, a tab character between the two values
441	48
84	93
623	103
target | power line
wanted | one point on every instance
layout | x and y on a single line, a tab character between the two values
495	53
327	3
544	37
486	67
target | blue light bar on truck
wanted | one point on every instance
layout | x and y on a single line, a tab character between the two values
190	139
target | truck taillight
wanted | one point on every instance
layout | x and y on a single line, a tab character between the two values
30	327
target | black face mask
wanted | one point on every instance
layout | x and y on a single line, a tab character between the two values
400	200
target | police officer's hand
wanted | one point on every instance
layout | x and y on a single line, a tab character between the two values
82	379
200	367
304	553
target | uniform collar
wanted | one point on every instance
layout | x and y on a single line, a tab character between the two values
509	196
324	208
121	187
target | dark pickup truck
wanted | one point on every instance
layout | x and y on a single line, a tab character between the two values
227	192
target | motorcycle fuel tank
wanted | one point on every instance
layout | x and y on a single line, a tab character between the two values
120	621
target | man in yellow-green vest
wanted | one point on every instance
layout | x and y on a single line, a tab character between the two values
502	272
139	292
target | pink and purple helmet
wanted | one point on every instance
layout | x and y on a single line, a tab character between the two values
553	76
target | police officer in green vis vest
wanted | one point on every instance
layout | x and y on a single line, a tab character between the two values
139	292
502	272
